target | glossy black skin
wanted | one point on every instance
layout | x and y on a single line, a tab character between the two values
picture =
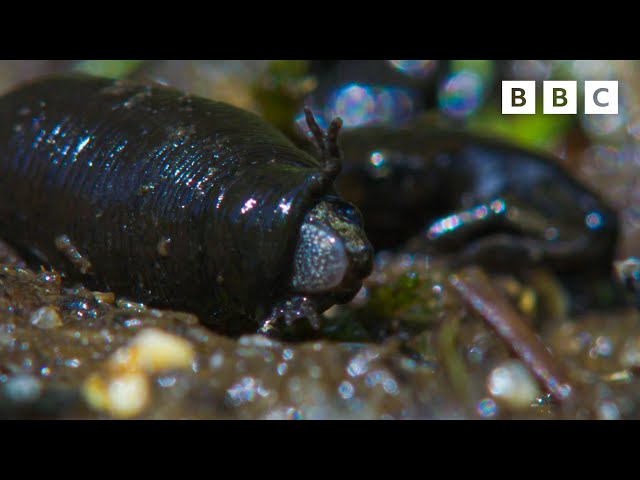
119	168
429	174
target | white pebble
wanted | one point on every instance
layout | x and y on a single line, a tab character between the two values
152	351
128	395
46	318
512	383
122	396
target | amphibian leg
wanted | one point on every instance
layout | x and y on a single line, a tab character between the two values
507	231
291	309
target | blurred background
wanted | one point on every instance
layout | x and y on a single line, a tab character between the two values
602	150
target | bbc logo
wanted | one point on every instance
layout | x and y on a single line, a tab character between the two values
559	97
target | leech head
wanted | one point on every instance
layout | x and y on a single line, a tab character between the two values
326	143
333	254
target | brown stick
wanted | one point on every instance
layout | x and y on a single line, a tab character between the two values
476	289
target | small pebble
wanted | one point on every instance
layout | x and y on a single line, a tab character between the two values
153	350
123	396
46	318
129	305
512	383
105	297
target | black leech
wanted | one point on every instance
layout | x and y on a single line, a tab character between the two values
178	201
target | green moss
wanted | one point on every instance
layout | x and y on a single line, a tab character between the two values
536	131
108	68
410	299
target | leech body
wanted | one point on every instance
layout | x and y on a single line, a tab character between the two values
174	200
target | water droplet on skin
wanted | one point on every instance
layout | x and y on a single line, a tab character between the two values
163	246
346	390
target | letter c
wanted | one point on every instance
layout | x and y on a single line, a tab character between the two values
595	97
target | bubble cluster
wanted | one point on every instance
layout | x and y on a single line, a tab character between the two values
359	105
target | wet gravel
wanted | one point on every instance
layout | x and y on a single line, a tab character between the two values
67	352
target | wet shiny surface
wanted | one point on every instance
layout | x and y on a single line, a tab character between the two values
74	353
138	164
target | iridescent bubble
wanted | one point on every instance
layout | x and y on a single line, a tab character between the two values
461	94
392	104
346	390
377	159
486	408
360	105
287	354
247	390
390	386
378	165
415	68
593	220
167	382
603	347
294	414
355	104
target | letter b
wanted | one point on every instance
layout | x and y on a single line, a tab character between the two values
518	97
560	97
